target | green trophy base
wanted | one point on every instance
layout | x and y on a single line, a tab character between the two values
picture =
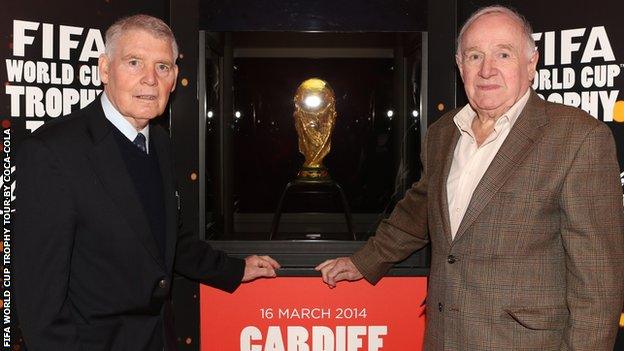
313	175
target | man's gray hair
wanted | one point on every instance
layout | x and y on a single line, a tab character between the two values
154	26
522	21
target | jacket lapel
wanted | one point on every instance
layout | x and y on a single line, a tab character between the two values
110	168
519	142
160	141
447	143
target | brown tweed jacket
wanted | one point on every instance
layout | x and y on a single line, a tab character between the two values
538	260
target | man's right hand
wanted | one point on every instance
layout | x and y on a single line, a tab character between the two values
259	267
337	269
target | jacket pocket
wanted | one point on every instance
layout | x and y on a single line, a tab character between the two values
540	318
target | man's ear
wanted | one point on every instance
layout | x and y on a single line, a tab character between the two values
103	67
175	77
458	61
533	64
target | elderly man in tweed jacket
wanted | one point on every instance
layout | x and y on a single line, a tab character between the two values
522	204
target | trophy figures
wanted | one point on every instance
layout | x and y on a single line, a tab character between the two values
315	116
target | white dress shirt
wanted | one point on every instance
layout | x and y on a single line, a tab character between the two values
121	123
471	161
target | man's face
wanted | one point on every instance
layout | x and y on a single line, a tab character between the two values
495	64
139	76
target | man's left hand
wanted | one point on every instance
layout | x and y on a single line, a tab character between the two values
259	267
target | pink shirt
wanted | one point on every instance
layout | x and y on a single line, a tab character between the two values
470	162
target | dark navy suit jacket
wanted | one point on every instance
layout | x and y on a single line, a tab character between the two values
88	272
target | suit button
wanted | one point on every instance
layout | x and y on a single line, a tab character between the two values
162	283
440	306
451	259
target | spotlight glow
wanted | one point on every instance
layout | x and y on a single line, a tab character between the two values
210	114
237	114
312	101
414	113
390	113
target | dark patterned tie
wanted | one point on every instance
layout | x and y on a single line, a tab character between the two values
139	141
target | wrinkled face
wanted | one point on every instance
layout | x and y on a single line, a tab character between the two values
494	63
139	76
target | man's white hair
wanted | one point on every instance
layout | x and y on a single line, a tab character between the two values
154	26
522	21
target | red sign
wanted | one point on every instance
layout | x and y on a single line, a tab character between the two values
304	314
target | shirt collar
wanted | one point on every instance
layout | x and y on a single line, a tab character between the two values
121	123
463	119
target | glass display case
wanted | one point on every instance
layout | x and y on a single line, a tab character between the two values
249	143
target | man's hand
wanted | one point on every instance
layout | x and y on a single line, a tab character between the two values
338	269
259	267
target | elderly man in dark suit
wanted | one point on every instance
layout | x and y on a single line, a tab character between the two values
96	237
522	204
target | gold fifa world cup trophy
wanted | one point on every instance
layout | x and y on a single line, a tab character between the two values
315	116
